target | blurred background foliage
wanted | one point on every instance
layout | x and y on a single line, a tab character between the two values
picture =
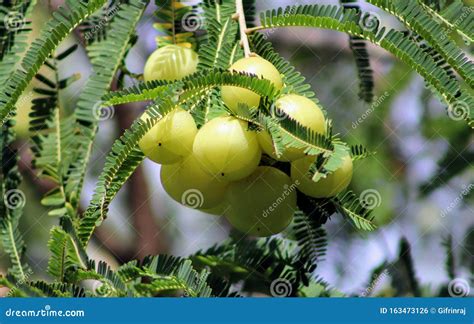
423	169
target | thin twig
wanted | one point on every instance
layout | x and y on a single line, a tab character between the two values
243	27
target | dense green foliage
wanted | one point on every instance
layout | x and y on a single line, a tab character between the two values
63	143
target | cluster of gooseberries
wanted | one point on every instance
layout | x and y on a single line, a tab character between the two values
220	162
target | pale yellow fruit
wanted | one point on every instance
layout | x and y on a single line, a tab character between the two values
220	210
330	186
304	111
233	96
187	183
170	63
171	139
227	149
262	204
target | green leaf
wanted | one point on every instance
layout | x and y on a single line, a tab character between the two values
64	20
396	42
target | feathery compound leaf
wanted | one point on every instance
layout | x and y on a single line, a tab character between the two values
11	204
412	14
177	20
96	27
63	253
456	16
220	48
111	284
311	238
293	80
257	263
359	152
57	289
362	60
169	273
396	42
325	164
295	135
14	32
350	206
106	58
64	20
53	136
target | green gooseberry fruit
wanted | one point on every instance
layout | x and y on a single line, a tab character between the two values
227	149
330	186
171	62
262	204
304	111
187	183
171	139
233	96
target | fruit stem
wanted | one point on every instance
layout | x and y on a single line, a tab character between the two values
243	27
